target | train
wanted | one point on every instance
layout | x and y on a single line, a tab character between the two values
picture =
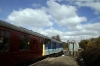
19	45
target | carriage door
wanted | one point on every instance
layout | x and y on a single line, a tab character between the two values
40	43
34	42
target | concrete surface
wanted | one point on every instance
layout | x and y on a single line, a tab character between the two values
57	61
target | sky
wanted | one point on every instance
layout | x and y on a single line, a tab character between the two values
70	19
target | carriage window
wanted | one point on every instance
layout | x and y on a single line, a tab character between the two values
28	43
24	42
7	34
1	33
34	41
44	41
54	45
47	41
39	40
40	44
4	41
21	37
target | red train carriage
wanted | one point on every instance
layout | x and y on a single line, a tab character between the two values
18	45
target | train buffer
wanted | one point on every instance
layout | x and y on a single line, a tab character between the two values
57	61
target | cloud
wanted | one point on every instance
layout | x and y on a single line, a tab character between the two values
69	35
36	5
72	21
93	4
59	0
87	30
94	26
64	15
61	14
30	17
53	32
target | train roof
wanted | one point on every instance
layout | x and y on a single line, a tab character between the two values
56	41
24	30
21	29
52	39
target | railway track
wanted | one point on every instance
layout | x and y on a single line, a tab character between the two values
42	61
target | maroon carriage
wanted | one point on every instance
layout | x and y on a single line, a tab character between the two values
18	45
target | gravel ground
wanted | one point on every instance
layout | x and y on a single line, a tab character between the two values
57	61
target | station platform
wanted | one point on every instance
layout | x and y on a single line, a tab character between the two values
57	61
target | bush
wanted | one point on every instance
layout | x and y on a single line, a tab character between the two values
91	55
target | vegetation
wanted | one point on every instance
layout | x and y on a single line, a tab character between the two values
65	45
93	41
91	53
57	37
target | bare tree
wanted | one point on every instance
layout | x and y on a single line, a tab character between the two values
57	37
53	37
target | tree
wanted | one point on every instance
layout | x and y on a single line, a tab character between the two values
89	43
65	45
83	43
53	37
57	37
97	41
